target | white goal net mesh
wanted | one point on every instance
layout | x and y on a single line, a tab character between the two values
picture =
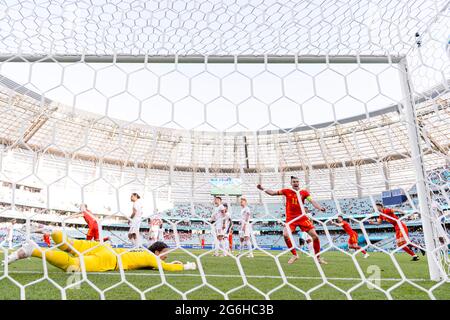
178	102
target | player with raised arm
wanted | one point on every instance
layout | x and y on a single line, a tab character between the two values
91	221
401	230
245	228
99	257
296	218
353	235
135	223
217	211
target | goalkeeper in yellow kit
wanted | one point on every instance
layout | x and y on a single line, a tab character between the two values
97	257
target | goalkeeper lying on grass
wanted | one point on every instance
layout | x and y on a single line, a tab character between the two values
98	257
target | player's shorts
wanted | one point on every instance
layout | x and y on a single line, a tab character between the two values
401	234
303	223
353	239
220	232
246	231
93	234
154	233
135	226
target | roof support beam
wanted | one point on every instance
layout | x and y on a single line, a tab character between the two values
37	124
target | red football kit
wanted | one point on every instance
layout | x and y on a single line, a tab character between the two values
295	217
93	233
389	215
353	235
293	210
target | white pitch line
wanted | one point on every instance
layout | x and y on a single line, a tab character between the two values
214	276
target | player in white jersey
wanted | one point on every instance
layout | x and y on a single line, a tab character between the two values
443	236
135	223
228	231
245	228
223	224
217	212
304	239
10	226
156	228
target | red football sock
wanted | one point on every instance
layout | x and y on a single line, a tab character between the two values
316	245
363	251
409	251
289	244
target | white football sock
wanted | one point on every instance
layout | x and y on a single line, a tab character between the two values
249	246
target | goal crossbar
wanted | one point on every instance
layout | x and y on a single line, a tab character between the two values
119	58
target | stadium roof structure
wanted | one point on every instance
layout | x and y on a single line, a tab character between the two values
32	121
225	31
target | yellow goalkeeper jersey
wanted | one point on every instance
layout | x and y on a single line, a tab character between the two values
142	259
101	257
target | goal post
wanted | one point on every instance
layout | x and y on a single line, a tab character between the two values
437	272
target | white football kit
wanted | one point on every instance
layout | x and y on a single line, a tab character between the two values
217	211
135	224
439	222
245	228
222	223
156	231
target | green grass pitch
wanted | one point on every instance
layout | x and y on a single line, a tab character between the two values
224	274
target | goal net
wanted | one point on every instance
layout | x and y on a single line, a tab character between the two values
164	117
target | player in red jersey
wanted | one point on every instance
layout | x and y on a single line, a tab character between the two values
401	230
295	217
202	241
93	233
88	216
46	238
353	235
230	237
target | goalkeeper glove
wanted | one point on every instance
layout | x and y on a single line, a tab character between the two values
190	266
